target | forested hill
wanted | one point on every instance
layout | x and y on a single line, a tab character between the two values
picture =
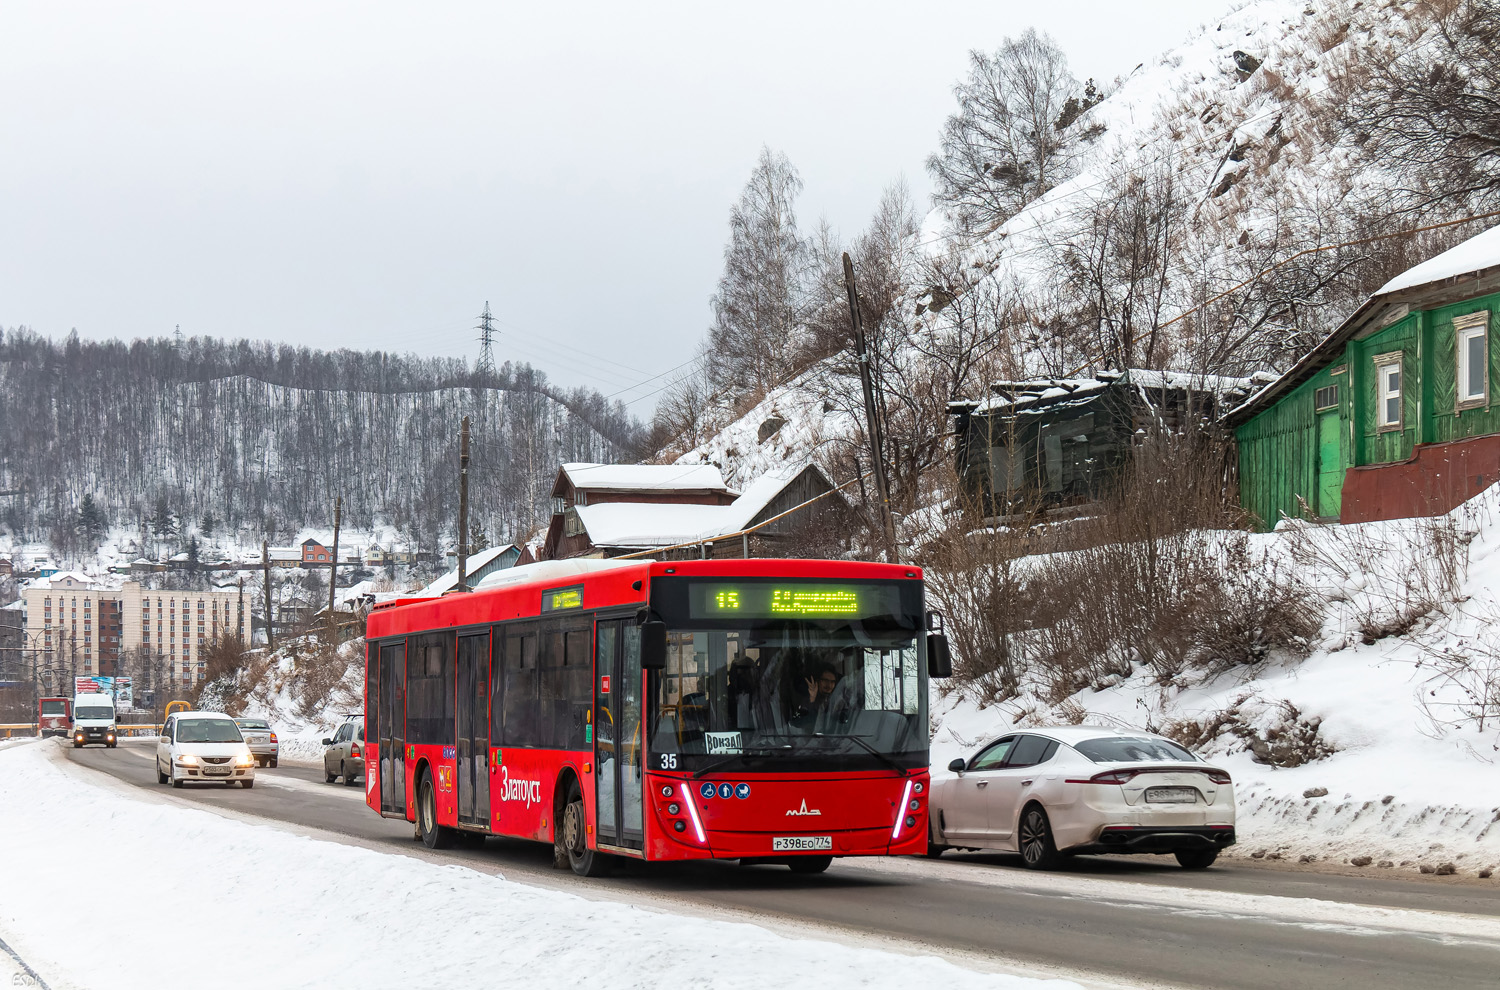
260	438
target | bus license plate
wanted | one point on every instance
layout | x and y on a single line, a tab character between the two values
801	843
1172	795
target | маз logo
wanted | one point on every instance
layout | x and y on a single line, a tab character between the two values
803	810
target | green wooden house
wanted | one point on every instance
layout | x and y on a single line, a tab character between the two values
1394	414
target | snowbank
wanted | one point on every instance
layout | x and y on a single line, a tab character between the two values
1402	787
344	915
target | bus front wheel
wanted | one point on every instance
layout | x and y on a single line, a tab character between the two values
434	836
572	839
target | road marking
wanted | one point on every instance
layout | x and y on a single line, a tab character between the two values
1307	912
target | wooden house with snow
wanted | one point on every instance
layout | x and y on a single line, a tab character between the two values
682	510
1055	443
1393	415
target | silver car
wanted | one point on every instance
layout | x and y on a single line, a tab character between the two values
261	740
344	756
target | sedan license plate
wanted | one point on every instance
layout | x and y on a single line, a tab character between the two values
800	843
1172	795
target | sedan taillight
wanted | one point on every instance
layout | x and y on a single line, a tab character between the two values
1217	776
354	750
1108	777
273	737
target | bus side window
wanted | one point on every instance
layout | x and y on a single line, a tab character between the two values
520	688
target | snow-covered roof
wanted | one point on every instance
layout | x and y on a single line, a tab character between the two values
52	580
471	566
1045	391
647	524
551	570
645	477
1475	254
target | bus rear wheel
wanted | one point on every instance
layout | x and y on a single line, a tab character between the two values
572	839
434	836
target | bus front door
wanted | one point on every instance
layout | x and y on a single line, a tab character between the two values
474	729
618	736
391	699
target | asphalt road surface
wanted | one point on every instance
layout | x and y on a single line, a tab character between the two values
1126	920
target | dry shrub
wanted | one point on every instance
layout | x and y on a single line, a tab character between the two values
1159	575
1165	580
1278	735
1462	687
1389	577
319	669
975	578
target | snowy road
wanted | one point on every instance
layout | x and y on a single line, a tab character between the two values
1111	921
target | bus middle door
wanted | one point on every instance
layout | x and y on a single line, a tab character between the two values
474	729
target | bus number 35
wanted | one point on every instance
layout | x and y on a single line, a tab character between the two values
669	761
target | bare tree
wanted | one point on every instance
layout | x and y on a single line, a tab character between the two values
1431	113
757	328
1012	137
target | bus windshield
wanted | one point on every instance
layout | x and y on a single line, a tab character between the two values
829	691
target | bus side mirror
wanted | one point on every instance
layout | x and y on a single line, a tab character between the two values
653	645
939	661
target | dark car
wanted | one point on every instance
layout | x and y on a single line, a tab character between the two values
344	756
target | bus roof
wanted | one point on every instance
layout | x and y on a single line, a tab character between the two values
516	592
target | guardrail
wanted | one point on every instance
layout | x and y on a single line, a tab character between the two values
29	729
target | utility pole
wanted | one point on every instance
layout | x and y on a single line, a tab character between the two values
463	502
265	567
872	414
333	570
484	370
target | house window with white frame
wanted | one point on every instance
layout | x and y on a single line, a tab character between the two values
1471	335
1388	391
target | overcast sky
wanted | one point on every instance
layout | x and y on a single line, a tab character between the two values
368	174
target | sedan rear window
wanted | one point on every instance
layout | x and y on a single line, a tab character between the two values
252	723
208	730
1128	749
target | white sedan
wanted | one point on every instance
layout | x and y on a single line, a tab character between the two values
1052	793
203	746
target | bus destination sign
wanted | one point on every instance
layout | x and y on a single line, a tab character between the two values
557	599
791	600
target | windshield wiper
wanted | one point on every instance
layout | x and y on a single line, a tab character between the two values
757	751
871	749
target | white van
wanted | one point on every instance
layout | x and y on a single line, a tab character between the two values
93	720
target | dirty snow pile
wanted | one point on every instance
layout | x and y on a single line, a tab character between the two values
1393	720
343	915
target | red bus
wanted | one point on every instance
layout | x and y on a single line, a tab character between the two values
54	716
760	710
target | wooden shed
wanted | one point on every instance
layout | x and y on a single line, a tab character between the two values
1061	442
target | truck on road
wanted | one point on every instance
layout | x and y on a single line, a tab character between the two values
93	720
52	717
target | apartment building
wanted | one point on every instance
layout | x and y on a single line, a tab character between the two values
72	624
